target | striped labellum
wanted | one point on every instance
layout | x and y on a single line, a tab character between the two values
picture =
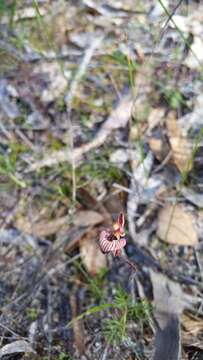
112	240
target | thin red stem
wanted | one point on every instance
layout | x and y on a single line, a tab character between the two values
130	263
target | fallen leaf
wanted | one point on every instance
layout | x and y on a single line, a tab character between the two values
156	115
16	238
180	144
91	254
192	325
177	226
87	218
41	228
159	146
19	346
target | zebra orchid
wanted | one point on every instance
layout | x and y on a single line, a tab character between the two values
113	240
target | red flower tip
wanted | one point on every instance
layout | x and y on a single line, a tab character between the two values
119	226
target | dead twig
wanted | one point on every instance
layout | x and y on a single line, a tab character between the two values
71	94
117	119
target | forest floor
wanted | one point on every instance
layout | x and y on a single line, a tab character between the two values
101	113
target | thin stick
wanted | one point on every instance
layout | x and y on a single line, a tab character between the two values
69	98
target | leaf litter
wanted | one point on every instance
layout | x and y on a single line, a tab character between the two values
101	113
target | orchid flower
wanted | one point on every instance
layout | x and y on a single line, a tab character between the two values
113	240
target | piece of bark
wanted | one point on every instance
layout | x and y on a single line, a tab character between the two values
169	302
167	340
78	326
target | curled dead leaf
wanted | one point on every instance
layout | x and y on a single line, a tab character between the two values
19	346
90	252
180	144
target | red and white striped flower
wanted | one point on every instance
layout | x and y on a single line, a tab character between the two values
112	240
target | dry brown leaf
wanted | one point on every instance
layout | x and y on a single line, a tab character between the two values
46	228
159	147
41	228
180	145
87	218
91	254
192	325
177	226
155	117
